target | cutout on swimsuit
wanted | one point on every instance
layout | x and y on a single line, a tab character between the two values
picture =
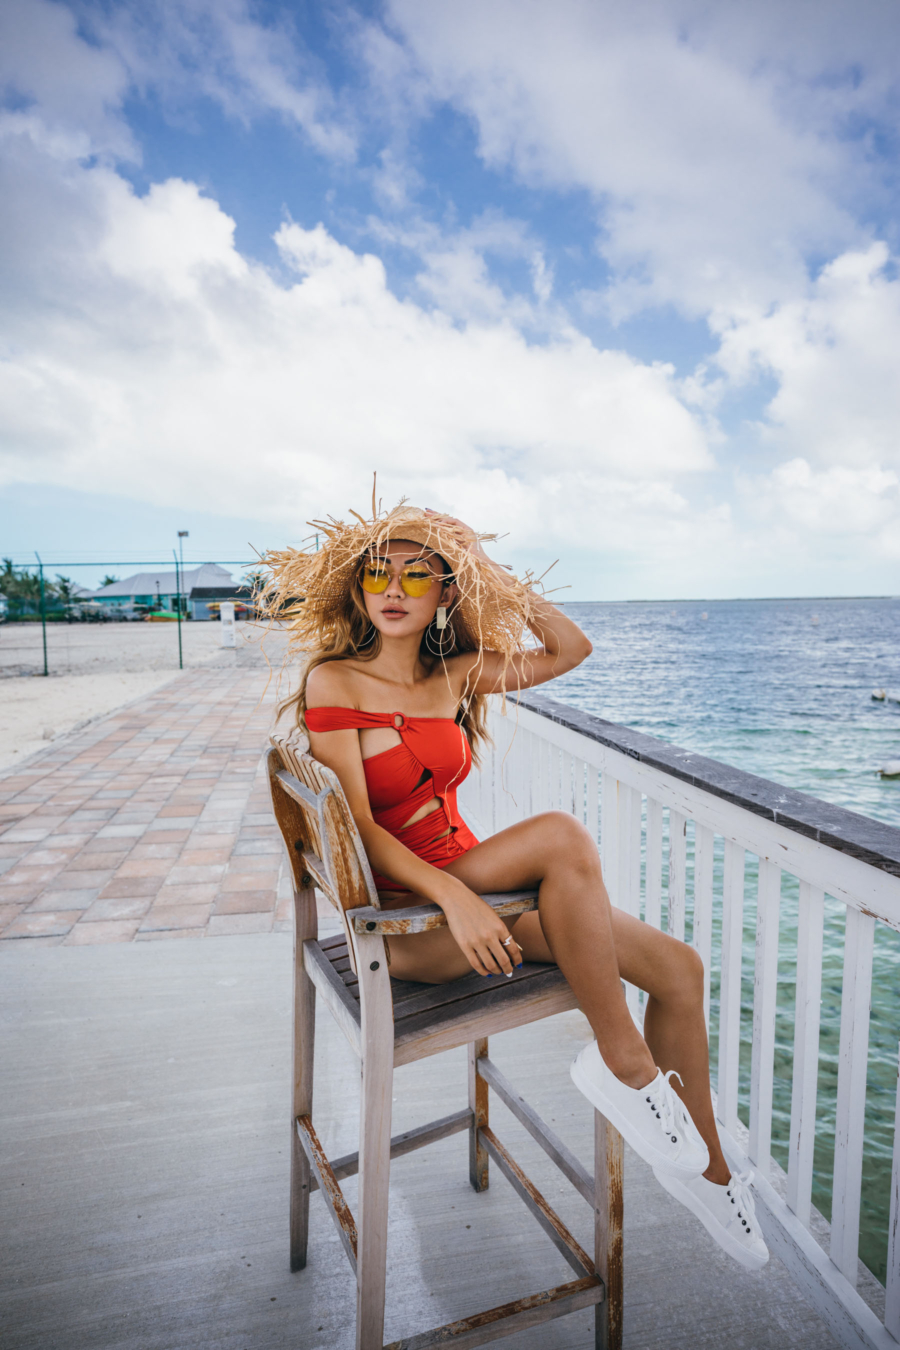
431	761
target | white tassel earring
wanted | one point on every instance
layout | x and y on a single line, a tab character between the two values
440	621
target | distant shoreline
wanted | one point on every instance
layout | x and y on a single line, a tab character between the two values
734	600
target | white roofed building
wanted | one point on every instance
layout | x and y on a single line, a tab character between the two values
148	588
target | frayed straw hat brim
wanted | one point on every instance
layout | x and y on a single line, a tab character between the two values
310	589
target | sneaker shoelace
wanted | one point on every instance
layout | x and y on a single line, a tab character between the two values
667	1106
741	1197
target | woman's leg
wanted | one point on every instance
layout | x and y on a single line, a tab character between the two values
595	945
556	854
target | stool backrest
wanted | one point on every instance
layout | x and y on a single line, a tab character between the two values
320	834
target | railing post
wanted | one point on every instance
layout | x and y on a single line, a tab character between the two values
653	873
730	984
892	1283
765	991
853	1061
704	847
677	869
810	917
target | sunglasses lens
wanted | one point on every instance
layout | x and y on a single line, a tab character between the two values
375	579
417	581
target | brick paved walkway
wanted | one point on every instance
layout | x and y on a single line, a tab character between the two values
153	824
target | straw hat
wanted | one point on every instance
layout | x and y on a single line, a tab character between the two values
310	589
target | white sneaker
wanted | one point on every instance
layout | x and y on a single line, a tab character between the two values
653	1119
728	1213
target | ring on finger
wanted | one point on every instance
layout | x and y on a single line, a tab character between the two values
508	941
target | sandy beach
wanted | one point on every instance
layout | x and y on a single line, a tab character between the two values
96	668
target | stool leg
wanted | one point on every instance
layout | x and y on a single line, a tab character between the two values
608	1212
478	1105
305	926
374	1141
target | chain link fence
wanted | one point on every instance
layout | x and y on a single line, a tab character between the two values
52	594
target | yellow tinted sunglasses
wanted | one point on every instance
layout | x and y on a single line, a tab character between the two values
416	580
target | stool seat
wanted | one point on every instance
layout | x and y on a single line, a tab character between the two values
433	1017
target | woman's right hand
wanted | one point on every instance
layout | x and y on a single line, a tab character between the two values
479	933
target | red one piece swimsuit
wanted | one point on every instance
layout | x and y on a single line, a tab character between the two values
432	759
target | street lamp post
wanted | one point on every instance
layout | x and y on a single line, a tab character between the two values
43	611
179	577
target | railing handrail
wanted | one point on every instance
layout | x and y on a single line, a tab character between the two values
870	841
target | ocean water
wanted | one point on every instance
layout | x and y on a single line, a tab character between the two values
781	688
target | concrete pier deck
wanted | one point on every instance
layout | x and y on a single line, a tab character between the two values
144	1175
145	1102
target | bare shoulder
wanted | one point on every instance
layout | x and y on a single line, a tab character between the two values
330	686
463	667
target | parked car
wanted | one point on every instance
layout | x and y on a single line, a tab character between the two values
91	612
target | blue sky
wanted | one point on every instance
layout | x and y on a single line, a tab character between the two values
618	283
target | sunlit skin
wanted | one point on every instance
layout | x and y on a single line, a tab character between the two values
595	944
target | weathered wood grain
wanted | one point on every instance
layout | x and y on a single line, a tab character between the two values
303	1050
508	1318
609	1164
335	994
422	998
407	1142
507	1005
423	918
337	1205
479	1108
374	1140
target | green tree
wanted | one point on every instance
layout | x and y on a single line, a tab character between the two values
109	580
17	583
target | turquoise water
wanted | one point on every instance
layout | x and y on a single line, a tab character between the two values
782	689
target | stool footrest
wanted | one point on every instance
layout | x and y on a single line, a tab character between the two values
408	1142
549	1220
539	1130
508	1318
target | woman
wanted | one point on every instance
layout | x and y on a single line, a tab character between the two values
408	627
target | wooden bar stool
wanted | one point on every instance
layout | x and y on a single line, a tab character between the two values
392	1022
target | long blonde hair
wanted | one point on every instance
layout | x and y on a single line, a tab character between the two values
351	635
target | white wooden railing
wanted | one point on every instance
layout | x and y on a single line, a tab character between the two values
634	792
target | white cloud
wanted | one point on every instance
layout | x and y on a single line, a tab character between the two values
147	356
77	88
220	50
834	354
176	49
835	501
711	186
